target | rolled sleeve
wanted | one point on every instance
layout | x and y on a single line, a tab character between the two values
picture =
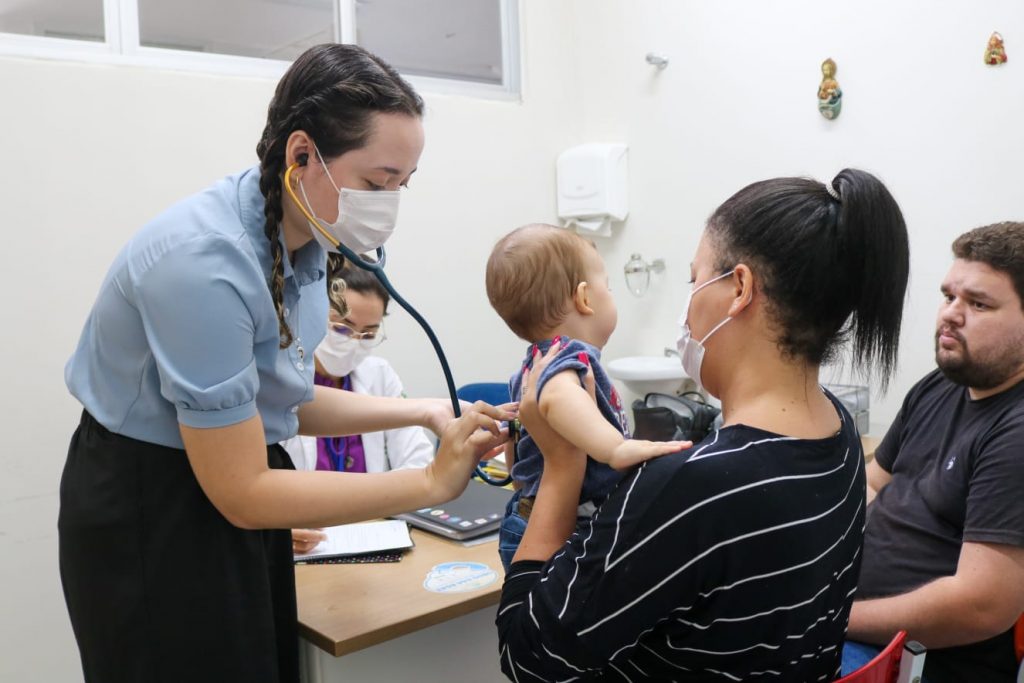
200	330
229	402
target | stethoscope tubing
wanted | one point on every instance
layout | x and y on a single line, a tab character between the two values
377	268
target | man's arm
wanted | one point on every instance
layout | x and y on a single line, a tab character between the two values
983	599
877	478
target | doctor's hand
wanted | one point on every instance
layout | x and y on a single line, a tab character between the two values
438	412
304	540
464	442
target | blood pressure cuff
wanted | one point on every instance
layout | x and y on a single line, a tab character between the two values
660	417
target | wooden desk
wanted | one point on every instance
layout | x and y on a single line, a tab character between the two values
347	607
383	614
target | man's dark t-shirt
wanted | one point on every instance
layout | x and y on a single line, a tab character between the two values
957	470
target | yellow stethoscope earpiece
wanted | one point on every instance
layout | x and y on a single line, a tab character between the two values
312	221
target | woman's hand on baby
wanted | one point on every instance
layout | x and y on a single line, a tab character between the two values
634	451
304	540
529	408
557	451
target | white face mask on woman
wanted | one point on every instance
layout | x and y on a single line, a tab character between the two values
340	356
366	218
691	351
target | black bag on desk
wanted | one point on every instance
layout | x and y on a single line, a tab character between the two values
660	417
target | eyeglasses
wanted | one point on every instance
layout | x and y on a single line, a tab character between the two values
367	339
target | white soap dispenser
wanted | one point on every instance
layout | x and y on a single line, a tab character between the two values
592	187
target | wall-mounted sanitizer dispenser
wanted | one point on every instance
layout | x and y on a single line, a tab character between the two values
592	181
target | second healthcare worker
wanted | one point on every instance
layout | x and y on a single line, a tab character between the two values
196	360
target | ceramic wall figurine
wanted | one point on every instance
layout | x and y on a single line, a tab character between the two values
995	53
830	96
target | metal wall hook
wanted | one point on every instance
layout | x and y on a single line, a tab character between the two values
657	60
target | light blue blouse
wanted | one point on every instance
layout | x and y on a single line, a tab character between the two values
184	328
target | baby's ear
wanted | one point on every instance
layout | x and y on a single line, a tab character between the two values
581	299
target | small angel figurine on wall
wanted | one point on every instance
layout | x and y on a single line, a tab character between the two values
830	96
995	53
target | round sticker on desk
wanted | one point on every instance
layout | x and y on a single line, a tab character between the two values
459	577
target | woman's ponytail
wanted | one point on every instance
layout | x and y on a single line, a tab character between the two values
873	238
833	263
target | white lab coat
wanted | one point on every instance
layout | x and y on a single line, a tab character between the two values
393	449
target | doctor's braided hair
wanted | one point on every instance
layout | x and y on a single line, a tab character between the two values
331	92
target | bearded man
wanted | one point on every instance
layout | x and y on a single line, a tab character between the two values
944	538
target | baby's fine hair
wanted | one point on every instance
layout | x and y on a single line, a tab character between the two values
531	276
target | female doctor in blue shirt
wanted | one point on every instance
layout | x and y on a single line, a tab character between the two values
196	360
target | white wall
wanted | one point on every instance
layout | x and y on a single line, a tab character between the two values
488	167
91	152
737	103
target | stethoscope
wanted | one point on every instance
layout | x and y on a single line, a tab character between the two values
377	269
338	455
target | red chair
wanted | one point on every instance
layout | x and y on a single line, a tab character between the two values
1018	638
902	661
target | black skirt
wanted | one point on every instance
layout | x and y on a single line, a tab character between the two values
159	585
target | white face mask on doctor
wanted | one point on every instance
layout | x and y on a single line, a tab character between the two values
339	356
366	218
691	351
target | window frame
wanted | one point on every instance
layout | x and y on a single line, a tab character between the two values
121	46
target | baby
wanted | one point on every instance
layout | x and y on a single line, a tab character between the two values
549	284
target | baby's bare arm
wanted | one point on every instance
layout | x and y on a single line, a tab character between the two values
571	412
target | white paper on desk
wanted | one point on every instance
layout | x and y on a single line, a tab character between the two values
358	539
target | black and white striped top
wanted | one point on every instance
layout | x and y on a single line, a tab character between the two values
736	560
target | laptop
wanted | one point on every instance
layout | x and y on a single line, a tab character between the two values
477	512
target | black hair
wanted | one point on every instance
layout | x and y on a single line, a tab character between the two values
331	92
1000	246
354	278
831	267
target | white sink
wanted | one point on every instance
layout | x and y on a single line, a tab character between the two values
645	374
